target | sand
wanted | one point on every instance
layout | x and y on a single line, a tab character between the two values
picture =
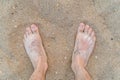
58	21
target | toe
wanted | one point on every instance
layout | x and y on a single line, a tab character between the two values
94	38
28	31
34	28
93	35
87	28
81	27
90	31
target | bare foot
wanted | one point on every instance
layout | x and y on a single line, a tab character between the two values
84	45
33	46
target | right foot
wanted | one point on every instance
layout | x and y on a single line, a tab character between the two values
34	48
84	45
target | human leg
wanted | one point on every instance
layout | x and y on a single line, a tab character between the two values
84	45
34	48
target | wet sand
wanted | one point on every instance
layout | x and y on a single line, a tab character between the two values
58	21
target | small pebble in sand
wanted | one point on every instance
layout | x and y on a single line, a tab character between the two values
13	20
13	7
58	4
12	13
56	72
53	33
1	72
118	39
15	26
65	57
96	57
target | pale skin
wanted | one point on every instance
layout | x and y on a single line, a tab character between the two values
84	45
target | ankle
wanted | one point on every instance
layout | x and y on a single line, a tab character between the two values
77	64
39	73
77	69
42	65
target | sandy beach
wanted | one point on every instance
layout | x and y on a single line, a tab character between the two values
58	21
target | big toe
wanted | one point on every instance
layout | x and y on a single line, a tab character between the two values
81	27
34	28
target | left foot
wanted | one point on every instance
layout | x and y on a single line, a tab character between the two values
84	45
34	48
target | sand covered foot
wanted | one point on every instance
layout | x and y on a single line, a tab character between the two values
84	45
33	46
